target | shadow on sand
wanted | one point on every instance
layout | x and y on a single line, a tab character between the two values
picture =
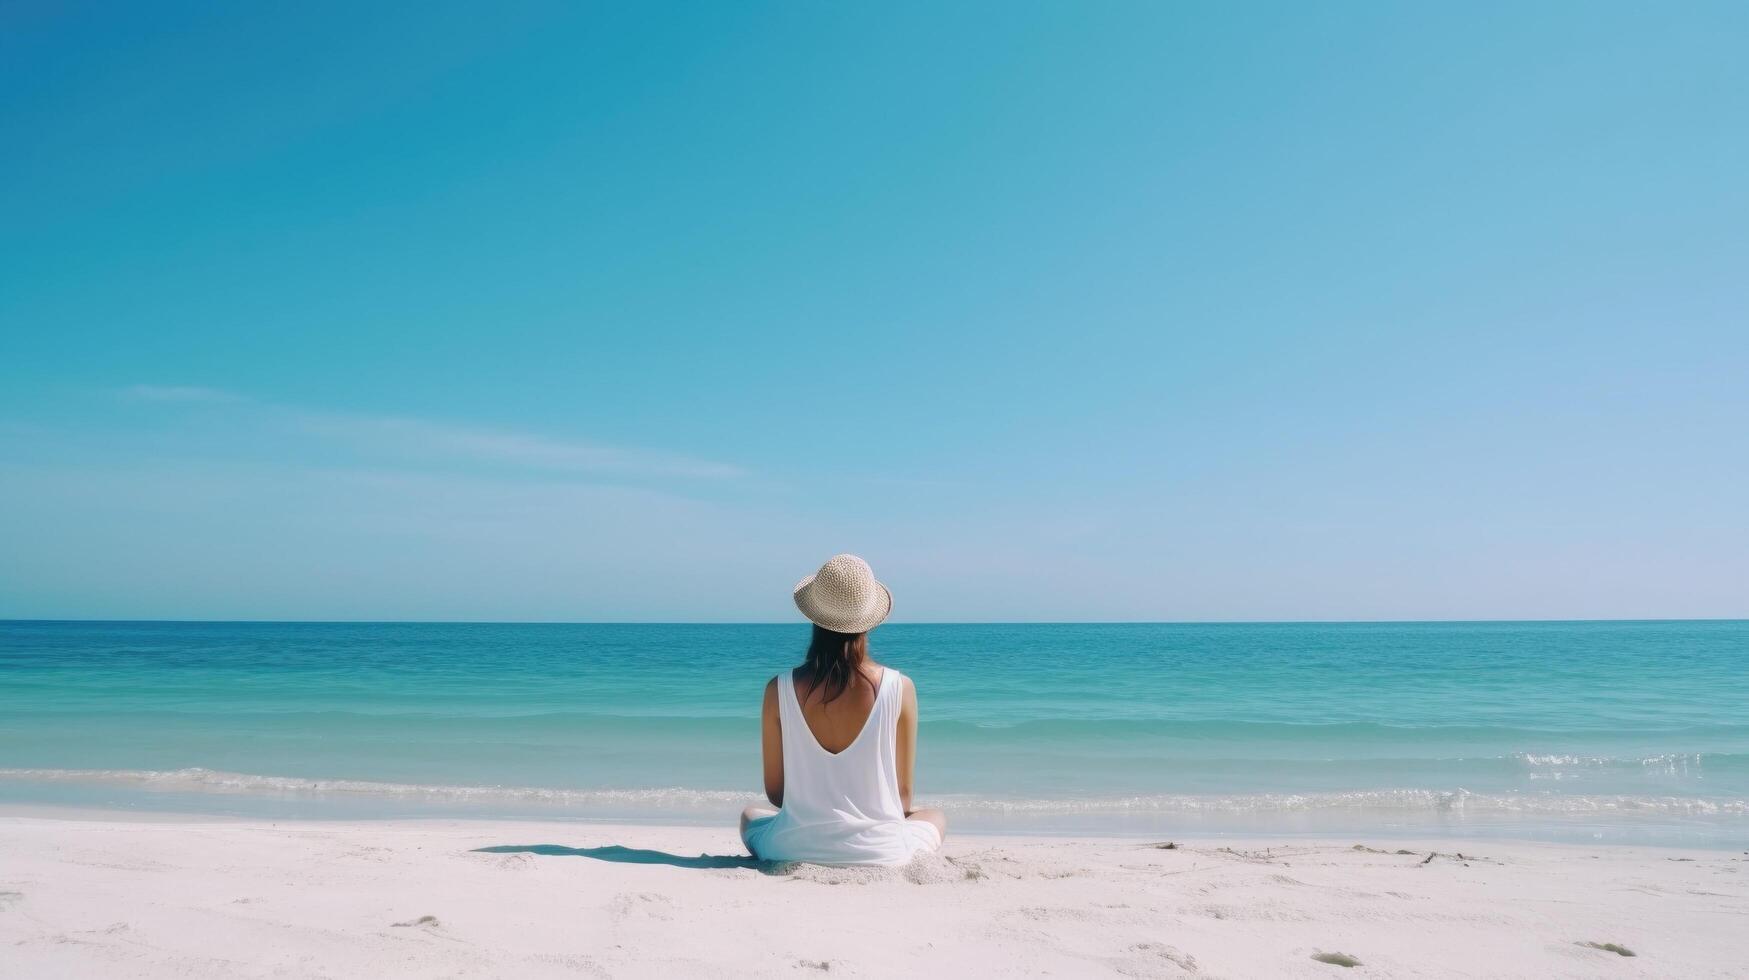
633	855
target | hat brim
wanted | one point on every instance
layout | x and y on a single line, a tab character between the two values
878	609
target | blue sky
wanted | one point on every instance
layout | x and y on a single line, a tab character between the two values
1065	311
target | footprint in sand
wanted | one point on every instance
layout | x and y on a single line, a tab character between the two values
936	869
1057	914
641	905
572	963
1155	960
514	862
1615	948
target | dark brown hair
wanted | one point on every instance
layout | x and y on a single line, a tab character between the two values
835	660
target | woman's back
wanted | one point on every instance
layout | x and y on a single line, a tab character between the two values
839	740
836	721
842	807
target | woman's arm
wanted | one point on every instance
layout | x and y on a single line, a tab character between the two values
907	748
772	746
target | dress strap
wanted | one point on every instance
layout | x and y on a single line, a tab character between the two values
891	695
786	695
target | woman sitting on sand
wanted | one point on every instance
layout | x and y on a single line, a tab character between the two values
841	738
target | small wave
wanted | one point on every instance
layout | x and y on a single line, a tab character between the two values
1402	801
1686	765
1670	759
1457	801
1358	732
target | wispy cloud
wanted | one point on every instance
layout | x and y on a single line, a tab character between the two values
382	437
178	393
423	437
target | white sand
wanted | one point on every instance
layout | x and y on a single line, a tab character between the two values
188	898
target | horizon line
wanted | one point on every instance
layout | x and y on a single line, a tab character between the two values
942	622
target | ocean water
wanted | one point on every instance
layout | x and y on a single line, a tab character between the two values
1611	731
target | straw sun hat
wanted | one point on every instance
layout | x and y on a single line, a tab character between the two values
843	596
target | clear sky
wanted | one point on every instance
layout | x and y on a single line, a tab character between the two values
1184	311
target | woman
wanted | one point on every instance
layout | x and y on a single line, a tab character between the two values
841	739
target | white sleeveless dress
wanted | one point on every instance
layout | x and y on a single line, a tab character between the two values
843	808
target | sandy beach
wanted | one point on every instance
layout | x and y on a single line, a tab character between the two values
92	894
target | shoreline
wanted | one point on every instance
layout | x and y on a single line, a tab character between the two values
118	893
1616	833
1401	814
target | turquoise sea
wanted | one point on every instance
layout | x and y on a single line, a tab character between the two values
1615	731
